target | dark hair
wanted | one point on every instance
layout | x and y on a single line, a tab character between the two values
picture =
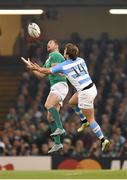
72	51
55	41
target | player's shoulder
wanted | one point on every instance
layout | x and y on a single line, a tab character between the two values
57	57
66	62
80	59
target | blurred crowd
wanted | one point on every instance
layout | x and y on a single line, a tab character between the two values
26	130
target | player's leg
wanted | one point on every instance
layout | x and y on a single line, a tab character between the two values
89	113
73	102
57	142
86	103
57	95
51	103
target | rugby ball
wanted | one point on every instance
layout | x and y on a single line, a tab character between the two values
34	30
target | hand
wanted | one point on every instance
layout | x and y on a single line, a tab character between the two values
27	62
35	67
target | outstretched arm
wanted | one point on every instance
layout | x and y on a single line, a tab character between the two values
38	74
55	69
44	70
29	66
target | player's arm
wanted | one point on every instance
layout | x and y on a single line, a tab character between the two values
40	69
55	69
38	74
29	66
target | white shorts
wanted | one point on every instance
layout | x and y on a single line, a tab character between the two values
86	98
61	90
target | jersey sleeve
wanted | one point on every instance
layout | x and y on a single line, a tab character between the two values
57	69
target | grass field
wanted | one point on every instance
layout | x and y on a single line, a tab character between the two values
64	174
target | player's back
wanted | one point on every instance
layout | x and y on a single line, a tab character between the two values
77	73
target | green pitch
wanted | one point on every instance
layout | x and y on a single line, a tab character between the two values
64	174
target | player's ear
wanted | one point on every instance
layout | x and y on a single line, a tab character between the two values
66	56
65	52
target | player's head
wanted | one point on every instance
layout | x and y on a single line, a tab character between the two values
71	51
52	46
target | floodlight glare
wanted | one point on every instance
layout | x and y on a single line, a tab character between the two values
118	11
20	11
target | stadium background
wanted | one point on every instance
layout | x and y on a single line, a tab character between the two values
102	39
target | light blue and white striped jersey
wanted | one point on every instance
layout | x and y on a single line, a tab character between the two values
75	71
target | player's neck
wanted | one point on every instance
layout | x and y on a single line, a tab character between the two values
56	50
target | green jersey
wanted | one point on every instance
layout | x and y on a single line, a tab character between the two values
54	58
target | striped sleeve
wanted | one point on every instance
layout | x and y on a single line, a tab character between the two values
57	69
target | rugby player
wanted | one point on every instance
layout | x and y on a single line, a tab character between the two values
75	69
57	94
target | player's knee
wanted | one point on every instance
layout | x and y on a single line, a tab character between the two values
71	103
47	106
